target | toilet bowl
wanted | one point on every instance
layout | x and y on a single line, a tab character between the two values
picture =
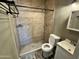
47	47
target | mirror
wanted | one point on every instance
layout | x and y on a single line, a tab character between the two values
73	22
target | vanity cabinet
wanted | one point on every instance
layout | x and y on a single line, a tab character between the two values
64	50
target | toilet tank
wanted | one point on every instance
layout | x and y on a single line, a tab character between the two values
53	39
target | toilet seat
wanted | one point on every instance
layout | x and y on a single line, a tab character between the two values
47	47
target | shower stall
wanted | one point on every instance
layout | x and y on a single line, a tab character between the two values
30	29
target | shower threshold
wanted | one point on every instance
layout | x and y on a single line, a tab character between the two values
31	48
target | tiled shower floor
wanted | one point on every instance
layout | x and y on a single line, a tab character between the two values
31	48
33	55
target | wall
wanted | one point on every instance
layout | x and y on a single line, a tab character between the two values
34	18
49	18
7	36
62	12
31	3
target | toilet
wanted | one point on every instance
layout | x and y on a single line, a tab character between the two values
48	47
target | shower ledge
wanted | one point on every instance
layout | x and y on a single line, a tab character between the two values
31	48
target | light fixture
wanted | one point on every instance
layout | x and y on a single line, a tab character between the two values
73	1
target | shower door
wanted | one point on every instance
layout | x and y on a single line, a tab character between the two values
33	21
30	28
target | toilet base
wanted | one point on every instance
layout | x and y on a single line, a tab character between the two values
47	54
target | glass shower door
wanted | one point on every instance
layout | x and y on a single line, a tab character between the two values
23	32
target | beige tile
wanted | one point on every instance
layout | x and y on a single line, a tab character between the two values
35	21
50	4
33	3
25	2
38	3
38	29
37	39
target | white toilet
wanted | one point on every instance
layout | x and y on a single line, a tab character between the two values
47	47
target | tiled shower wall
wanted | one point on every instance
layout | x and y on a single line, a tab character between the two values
32	3
41	22
33	18
49	19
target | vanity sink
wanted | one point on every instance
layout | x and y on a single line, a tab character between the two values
64	50
70	48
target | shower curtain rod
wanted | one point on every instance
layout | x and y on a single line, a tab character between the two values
34	8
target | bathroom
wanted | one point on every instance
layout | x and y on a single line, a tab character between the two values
24	31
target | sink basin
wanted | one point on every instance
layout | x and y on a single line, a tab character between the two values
67	46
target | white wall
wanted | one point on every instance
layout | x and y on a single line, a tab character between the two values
63	8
